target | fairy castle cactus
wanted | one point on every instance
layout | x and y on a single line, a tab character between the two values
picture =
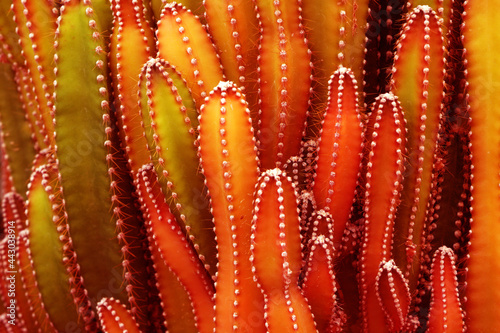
249	166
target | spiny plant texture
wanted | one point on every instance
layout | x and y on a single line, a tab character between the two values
249	166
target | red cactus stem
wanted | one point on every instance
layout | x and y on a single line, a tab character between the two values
445	314
284	80
307	207
17	145
445	11
394	297
335	32
115	318
175	249
175	301
483	285
132	43
230	165
339	152
58	278
298	170
448	221
13	212
309	152
384	176
130	233
418	81
166	118
235	34
320	286
36	40
179	33
276	254
385	19
83	128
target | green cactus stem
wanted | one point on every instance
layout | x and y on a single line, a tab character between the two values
83	142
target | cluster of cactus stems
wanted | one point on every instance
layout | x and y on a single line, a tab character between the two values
249	166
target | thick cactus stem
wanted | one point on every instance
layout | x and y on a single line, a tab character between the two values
384	176
339	152
276	254
115	317
394	296
167	237
180	33
483	74
230	165
418	82
445	314
284	80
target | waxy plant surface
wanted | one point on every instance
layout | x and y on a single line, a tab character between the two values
249	166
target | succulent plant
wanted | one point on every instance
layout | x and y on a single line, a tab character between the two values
249	166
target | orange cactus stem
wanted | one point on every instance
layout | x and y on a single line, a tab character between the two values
230	165
277	256
178	314
234	28
394	298
483	283
284	80
335	32
320	285
445	314
167	238
384	177
339	152
36	25
420	50
180	33
448	218
132	44
115	318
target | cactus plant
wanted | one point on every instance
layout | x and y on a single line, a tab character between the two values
249	166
